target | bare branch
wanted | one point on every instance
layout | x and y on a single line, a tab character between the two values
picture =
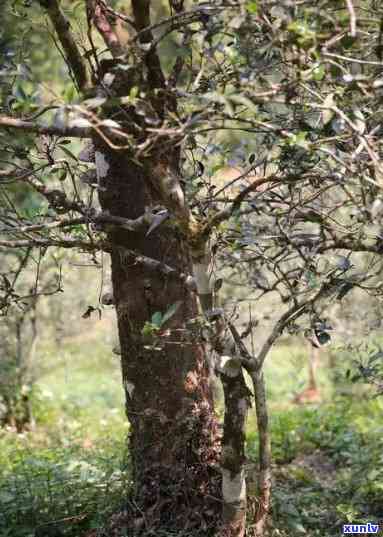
182	18
351	11
97	13
88	246
51	130
227	212
291	314
117	14
139	224
129	256
141	13
78	127
157	267
62	26
57	198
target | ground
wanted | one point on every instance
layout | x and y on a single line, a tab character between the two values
67	476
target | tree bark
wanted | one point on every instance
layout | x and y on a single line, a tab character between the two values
264	443
237	402
233	454
173	436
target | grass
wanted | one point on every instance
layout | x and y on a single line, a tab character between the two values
82	393
69	474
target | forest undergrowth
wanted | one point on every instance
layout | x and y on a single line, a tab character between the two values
67	475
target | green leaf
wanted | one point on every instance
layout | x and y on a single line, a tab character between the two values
69	153
242	99
216	97
63	175
19	93
299	140
69	93
149	329
156	319
133	92
183	52
319	73
252	7
218	284
171	311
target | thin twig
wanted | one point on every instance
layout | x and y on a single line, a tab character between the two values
351	11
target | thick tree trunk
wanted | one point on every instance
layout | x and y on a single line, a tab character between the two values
173	439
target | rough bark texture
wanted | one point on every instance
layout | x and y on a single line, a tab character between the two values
233	455
237	403
169	403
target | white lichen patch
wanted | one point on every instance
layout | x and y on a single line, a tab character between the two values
129	387
202	278
228	365
80	123
233	487
102	165
242	406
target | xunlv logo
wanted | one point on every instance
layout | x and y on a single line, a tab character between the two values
361	528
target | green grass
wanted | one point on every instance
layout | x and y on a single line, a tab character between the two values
82	392
327	466
70	473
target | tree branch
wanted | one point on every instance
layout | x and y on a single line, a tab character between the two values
71	130
141	13
62	26
291	314
226	213
56	198
351	11
96	12
183	18
128	256
153	265
139	224
74	127
88	246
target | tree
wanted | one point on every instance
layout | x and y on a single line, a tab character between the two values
289	91
18	341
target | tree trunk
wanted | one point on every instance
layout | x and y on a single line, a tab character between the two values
173	436
224	340
264	443
237	402
314	356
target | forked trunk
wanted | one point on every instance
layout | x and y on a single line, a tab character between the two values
173	435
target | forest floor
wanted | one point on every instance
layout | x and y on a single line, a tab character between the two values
66	476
